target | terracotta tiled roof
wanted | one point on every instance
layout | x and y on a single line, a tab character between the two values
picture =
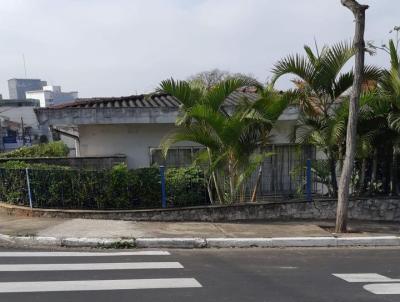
155	100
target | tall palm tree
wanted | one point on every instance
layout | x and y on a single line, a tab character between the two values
269	107
390	87
321	85
232	136
327	134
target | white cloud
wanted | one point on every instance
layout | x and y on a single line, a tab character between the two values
119	47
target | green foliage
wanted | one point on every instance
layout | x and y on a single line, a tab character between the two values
117	188
320	92
185	186
53	149
233	137
15	164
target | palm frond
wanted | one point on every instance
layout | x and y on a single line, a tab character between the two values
394	57
296	65
194	133
216	96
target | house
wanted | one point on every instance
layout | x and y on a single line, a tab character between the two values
18	123
135	125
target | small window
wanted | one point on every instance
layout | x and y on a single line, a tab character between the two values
176	157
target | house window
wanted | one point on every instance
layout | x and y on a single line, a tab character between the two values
176	157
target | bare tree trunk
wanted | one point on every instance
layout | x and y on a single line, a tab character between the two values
374	171
209	190
231	181
393	173
254	195
358	11
362	176
214	177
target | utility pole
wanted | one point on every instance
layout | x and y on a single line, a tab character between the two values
23	59
23	131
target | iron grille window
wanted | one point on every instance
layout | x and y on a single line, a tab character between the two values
176	157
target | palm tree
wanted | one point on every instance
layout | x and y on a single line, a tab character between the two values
390	87
232	136
327	134
321	85
268	108
372	133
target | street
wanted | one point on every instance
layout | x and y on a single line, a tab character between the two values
201	275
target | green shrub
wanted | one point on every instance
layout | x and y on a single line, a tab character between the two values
185	187
16	164
150	186
117	188
53	149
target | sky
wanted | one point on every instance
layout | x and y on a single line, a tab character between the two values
124	47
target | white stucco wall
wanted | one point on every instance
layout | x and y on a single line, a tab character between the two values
41	96
16	113
132	140
70	142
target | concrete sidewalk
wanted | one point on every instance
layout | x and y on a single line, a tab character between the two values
27	229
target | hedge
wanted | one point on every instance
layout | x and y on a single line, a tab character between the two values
53	149
117	188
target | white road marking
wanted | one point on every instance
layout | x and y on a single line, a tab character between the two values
365	278
92	285
82	254
383	288
87	266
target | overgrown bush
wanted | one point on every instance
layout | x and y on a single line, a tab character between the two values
117	188
53	149
185	187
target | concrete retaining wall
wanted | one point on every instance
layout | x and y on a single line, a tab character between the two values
384	209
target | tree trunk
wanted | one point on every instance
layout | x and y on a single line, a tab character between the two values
214	177
231	181
359	44
362	176
332	165
254	195
393	174
374	171
209	190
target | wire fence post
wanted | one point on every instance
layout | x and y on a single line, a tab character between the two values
308	179
28	184
163	193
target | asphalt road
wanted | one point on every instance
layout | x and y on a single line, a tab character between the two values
203	275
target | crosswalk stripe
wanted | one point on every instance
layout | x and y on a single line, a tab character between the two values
82	254
97	285
383	288
365	278
88	266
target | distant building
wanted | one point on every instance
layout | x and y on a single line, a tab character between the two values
18	103
18	124
18	87
51	95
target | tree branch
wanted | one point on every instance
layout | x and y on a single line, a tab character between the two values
354	6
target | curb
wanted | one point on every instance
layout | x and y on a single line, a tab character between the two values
98	242
180	243
194	243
